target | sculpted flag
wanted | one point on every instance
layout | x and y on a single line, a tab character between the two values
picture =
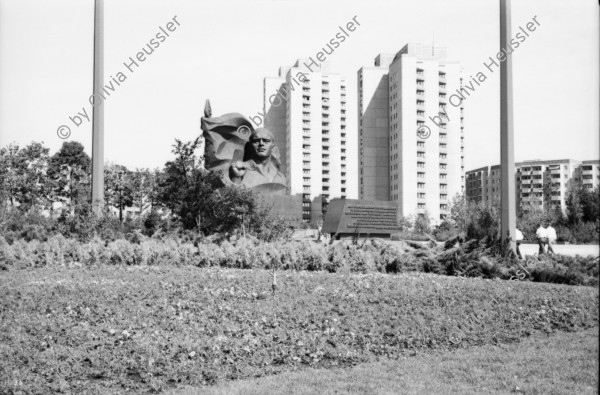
225	138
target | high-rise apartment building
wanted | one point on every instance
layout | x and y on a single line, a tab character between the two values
305	108
400	94
537	182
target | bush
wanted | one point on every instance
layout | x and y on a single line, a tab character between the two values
584	232
410	235
474	258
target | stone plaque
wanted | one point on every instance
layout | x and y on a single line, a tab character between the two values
365	217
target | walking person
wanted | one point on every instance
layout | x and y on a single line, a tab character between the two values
542	237
519	240
551	238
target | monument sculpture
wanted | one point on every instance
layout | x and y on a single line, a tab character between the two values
244	156
260	169
248	158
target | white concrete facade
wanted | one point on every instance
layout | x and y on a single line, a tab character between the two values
309	120
424	173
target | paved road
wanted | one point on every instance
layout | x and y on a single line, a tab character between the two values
564	249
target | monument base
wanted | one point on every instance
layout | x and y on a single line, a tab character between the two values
285	207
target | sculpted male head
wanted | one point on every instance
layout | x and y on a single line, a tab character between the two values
262	142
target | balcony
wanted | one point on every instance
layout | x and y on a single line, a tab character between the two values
525	182
421	106
587	173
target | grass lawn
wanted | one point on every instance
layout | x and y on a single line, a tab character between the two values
562	363
115	329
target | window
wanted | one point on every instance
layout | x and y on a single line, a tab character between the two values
420	144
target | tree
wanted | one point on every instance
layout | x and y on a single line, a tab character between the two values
231	208
199	199
422	223
185	187
459	211
590	204
574	207
10	173
143	186
118	188
22	175
69	172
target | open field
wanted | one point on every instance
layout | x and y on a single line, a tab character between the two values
116	328
560	363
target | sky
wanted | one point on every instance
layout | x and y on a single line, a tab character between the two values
222	50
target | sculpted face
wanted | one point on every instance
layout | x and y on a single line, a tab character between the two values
262	143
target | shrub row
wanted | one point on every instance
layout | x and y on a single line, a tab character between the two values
470	259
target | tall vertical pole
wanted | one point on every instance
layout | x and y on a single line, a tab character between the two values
507	154
98	110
